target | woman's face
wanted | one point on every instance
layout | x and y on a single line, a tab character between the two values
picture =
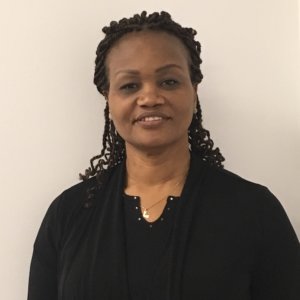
151	97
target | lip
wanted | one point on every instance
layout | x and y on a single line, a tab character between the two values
157	114
155	120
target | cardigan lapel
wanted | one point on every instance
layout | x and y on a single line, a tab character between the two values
184	217
108	241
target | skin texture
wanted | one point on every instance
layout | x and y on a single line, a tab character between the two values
149	75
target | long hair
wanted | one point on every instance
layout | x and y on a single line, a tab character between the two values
113	147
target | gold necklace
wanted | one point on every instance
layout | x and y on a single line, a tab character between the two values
146	210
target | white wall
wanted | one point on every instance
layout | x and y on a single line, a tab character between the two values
51	114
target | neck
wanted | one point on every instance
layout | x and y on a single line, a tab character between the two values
147	170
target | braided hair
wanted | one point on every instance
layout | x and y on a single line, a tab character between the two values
113	146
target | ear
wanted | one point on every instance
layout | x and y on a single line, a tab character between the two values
107	105
195	86
105	94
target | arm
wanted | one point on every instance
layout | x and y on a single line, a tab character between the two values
277	273
43	269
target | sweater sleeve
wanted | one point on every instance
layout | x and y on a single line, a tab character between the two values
43	269
277	272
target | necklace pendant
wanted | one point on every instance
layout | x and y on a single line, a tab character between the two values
146	214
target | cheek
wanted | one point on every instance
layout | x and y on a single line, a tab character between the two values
114	107
187	115
187	107
120	115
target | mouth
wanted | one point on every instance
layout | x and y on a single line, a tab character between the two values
151	116
151	119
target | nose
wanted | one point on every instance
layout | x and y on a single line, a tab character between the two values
149	96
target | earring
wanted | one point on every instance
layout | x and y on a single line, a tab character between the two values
195	110
109	116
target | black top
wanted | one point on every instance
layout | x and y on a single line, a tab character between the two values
146	244
230	240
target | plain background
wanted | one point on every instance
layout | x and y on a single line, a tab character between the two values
51	114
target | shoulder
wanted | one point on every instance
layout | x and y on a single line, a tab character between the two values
73	196
228	181
225	186
220	178
71	201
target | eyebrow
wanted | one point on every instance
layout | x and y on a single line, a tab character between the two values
160	69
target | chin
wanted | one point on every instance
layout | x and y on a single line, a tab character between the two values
154	145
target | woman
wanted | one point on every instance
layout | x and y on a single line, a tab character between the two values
157	216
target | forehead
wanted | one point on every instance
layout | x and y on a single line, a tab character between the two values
147	46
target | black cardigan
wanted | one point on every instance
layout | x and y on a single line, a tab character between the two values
231	240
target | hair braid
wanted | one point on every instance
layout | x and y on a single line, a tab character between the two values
113	146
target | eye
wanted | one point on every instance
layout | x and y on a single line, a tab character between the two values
169	83
129	87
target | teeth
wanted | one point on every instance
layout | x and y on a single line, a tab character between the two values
149	119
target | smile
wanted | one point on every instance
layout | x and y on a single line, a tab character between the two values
154	117
149	119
